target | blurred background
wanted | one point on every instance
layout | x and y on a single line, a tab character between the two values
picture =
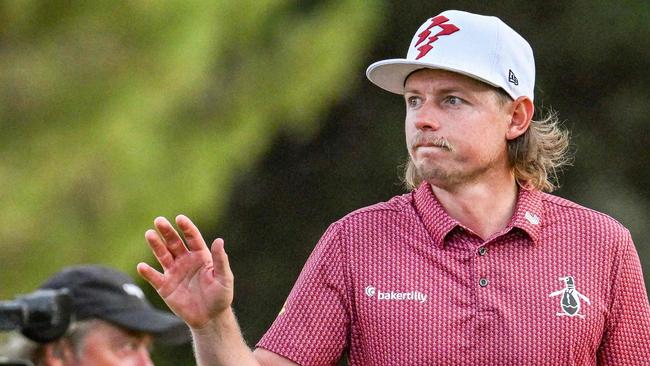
255	119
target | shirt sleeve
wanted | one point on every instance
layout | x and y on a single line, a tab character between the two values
626	340
312	327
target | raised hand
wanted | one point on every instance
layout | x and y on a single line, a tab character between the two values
196	283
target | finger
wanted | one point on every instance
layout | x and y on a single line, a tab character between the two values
220	259
155	278
172	240
159	249
192	235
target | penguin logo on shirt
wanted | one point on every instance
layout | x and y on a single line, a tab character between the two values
570	300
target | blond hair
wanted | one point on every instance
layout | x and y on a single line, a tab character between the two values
536	157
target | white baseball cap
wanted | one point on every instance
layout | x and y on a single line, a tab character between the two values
481	47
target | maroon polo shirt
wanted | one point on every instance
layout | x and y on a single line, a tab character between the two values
402	283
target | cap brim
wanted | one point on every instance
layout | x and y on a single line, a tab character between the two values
165	328
391	74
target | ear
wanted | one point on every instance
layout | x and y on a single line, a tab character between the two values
57	353
521	113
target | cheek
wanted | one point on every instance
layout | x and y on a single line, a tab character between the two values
485	146
409	133
409	126
410	116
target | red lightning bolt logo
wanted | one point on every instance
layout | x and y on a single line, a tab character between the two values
447	29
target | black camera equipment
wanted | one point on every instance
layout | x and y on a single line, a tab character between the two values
42	316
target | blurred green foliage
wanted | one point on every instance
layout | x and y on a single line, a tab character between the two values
255	119
115	112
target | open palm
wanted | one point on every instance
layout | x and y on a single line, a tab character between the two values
196	283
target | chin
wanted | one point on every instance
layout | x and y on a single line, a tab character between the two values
437	175
431	172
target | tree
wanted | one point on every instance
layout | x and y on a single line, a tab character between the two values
116	113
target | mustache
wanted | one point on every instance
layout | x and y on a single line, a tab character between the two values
427	139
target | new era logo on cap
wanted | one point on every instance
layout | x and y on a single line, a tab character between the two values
512	78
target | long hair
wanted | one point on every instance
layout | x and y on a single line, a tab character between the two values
536	157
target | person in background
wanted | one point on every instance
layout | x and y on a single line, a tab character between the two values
113	323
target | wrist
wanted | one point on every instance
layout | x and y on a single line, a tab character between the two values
216	324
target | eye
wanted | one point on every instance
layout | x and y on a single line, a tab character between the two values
413	101
453	100
127	347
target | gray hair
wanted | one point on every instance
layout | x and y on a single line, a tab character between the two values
19	347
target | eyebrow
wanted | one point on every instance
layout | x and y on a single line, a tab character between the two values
450	90
409	91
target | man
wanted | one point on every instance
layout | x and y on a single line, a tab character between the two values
475	266
113	324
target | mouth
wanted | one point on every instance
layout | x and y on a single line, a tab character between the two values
432	144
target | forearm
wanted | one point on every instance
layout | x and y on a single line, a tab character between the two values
220	343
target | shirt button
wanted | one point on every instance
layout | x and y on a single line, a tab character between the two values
482	251
483	282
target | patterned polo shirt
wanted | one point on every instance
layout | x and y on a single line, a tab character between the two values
402	283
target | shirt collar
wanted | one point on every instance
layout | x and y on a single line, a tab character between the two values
434	217
527	217
529	213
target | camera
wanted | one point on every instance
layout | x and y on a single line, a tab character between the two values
42	316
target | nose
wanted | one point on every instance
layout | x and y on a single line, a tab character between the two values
426	124
425	118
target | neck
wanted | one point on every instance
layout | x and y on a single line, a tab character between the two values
486	208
